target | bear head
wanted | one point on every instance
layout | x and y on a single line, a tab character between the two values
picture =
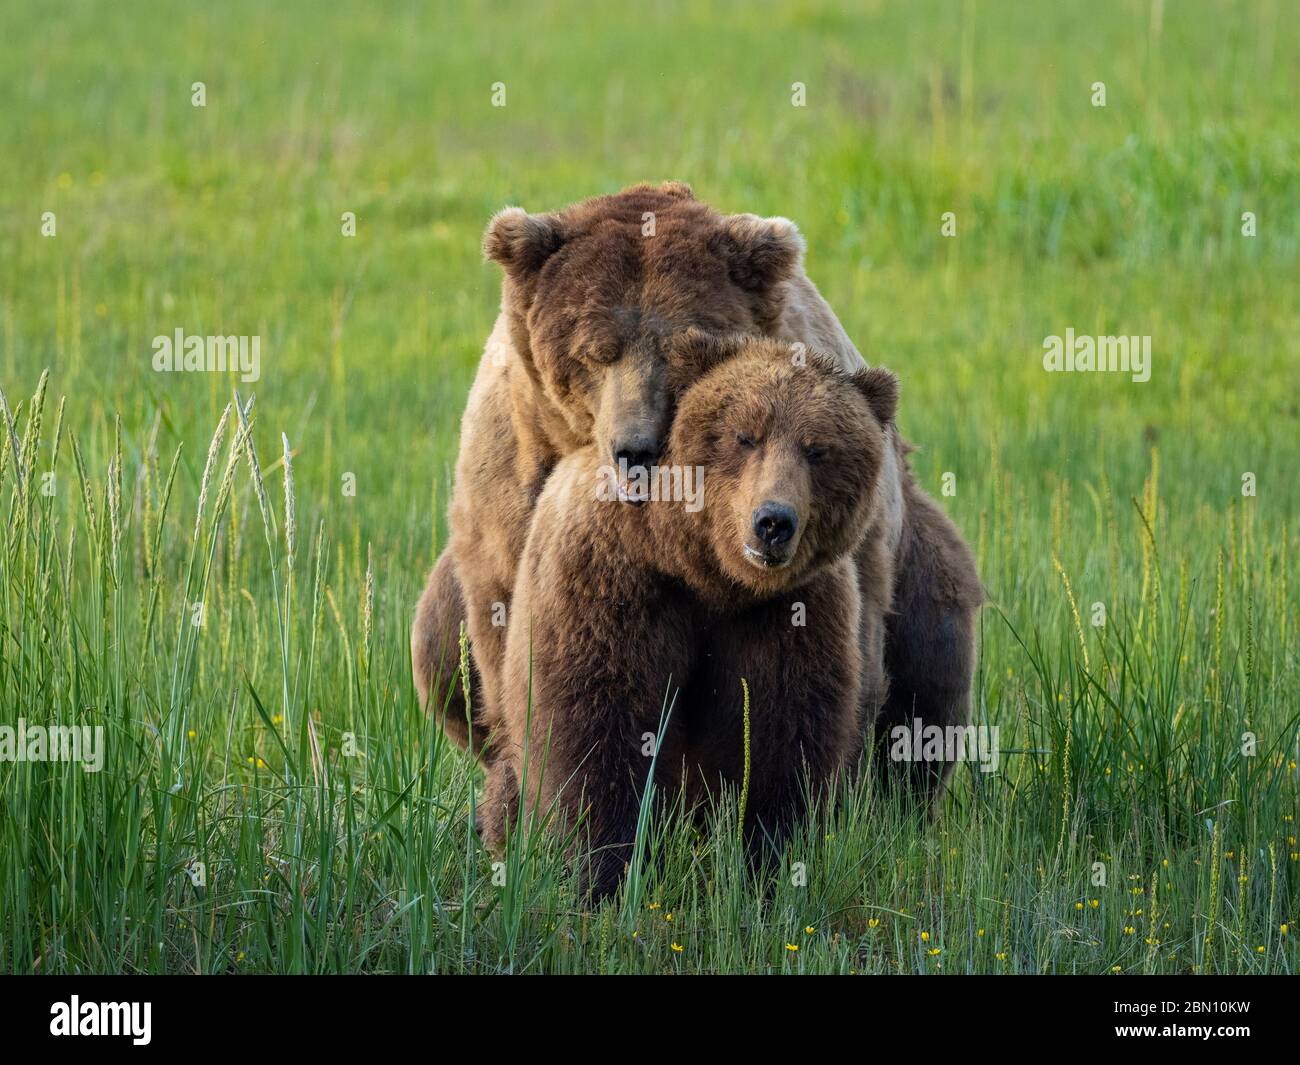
792	449
594	295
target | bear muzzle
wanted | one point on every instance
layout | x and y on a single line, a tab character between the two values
775	529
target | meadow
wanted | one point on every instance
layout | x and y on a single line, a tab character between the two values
228	592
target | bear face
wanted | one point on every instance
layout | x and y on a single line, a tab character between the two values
596	293
792	450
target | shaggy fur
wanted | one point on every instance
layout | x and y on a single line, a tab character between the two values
619	609
579	355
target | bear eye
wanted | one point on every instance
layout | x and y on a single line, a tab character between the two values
747	442
814	453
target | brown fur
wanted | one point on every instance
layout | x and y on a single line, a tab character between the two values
618	610
929	639
579	355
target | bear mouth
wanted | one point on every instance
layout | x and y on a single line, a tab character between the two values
766	559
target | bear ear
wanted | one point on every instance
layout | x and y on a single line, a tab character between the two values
880	387
521	242
760	252
703	350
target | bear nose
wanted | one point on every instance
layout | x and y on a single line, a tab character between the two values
775	523
640	451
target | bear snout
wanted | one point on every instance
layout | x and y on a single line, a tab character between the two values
774	525
635	451
634	457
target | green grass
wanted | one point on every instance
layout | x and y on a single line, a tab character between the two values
226	743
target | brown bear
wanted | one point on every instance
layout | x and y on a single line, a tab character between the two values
591	297
780	467
579	355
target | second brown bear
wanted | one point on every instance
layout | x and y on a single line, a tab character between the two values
619	611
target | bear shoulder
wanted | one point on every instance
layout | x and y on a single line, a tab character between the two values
807	317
